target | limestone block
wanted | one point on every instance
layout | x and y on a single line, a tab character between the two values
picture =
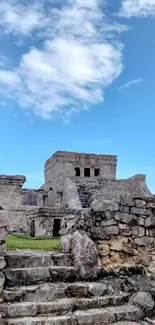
85	254
145	212
140	203
109	222
121	244
77	289
141	220
109	214
150	221
103	249
138	231
124	217
111	230
124	209
3	219
127	202
125	230
106	205
144	241
143	300
97	289
104	232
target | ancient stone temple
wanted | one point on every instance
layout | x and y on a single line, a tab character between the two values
104	272
72	182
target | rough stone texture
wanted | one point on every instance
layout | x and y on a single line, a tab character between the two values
2	262
85	255
143	300
123	239
106	205
10	190
64	189
2	279
66	243
33	197
3	219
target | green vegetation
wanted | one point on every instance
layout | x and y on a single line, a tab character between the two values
15	242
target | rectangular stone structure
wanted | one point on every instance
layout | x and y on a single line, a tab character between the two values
83	164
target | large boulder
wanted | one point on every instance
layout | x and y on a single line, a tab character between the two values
85	255
143	300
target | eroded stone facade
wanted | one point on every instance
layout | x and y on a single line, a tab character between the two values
72	182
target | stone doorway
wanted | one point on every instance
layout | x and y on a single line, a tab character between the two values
56	227
32	228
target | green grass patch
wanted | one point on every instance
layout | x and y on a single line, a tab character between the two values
15	242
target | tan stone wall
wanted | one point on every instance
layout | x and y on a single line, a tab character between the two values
123	230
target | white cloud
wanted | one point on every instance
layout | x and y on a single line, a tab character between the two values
80	56
135	8
18	18
129	84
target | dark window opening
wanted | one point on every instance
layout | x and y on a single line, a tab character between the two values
96	172
77	171
56	227
86	172
32	230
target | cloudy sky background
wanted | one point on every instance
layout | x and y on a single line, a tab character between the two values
77	75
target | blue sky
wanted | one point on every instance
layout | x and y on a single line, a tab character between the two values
77	75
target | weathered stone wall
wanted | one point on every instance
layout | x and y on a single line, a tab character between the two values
62	162
123	229
18	220
10	190
34	197
40	221
61	166
134	186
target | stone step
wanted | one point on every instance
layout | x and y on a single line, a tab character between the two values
61	320
61	306
59	290
18	276
30	258
128	323
104	316
108	315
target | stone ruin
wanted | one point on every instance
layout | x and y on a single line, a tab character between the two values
72	182
104	272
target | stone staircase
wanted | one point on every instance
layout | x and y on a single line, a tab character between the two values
42	288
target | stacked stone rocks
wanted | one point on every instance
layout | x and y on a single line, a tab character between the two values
45	288
123	230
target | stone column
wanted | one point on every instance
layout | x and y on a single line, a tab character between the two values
3	233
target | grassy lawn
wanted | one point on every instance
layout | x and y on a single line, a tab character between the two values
15	242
